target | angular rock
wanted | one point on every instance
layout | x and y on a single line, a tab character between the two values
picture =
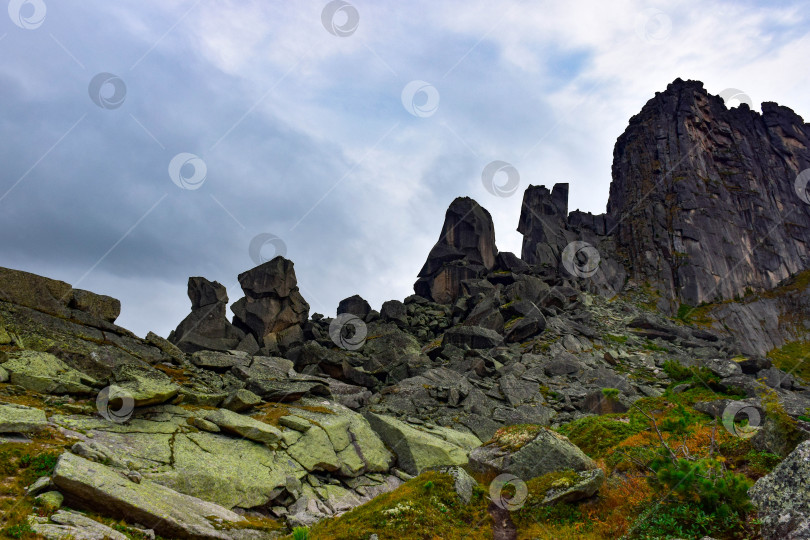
99	488
394	311
33	291
272	302
66	524
97	305
44	373
546	452
466	249
354	305
782	498
21	419
417	449
245	426
241	400
473	337
206	327
218	360
146	385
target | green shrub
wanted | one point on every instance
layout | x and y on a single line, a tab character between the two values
677	519
300	533
20	530
703	481
676	371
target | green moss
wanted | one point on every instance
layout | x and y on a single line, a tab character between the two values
515	437
596	435
412	512
615	339
793	358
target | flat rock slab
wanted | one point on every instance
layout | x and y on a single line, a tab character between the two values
245	426
417	450
169	513
74	526
20	419
44	373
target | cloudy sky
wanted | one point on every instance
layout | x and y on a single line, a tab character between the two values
340	132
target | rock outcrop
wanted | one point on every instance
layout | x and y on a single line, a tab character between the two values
704	199
272	310
206	327
782	498
465	250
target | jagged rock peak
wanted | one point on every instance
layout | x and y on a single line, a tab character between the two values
272	310
206	327
704	196
465	249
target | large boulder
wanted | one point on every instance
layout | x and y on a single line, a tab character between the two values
466	249
354	305
782	498
418	447
272	303
145	385
20	419
474	337
100	488
206	327
98	305
45	373
529	452
65	524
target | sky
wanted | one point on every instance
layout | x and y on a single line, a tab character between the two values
145	142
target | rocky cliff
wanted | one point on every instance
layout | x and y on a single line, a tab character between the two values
247	428
703	201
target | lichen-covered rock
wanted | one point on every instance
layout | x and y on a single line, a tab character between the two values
245	426
46	374
172	514
97	305
65	524
418	448
20	419
529	453
782	498
146	385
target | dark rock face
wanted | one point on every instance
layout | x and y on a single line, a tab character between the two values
272	309
703	197
354	305
206	327
568	246
466	249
